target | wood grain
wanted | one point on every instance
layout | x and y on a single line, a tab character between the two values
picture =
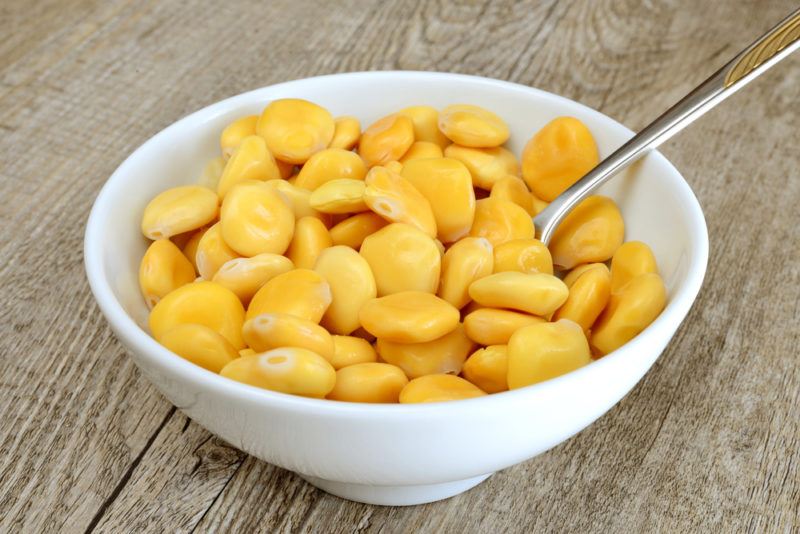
708	440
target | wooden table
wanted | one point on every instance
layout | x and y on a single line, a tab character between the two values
708	440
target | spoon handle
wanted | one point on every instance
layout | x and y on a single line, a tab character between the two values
769	49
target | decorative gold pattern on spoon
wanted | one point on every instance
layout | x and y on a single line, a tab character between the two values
782	36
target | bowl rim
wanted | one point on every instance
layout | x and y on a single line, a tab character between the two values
147	347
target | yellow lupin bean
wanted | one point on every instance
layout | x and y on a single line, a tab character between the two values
445	355
630	310
490	326
339	196
422	150
368	382
487	368
212	252
299	199
524	256
287	370
543	351
588	296
255	218
330	164
346	132
295	129
486	165
273	330
409	317
386	140
233	134
573	275
629	261
211	174
352	231
501	221
394	166
402	258
200	345
205	303
247	352
352	284
178	210
537	293
426	124
590	234
163	269
302	293
310	239
473	126
447	185
514	189
350	350
439	388
245	276
469	259
250	161
558	156
395	199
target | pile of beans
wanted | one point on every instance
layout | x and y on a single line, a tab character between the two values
397	264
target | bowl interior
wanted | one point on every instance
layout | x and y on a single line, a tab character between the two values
657	205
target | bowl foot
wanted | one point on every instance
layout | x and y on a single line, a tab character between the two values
395	495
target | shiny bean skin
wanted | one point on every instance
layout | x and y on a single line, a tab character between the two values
467	260
487	368
402	258
245	276
386	140
273	330
256	219
558	156
163	269
301	292
537	294
591	233
352	284
443	355
371	382
204	303
439	388
309	240
287	370
200	345
447	185
409	317
178	210
397	200
543	351
295	129
500	221
630	310
472	126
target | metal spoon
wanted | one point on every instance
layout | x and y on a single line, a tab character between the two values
769	49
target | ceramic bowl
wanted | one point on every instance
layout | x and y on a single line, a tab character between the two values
392	454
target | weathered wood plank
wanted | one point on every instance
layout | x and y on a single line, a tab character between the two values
708	439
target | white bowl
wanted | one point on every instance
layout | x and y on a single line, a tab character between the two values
392	454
